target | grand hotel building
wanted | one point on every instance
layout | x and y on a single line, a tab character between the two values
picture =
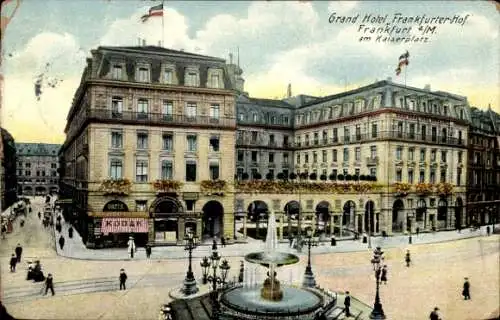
160	141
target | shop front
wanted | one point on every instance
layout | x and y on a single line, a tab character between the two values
113	226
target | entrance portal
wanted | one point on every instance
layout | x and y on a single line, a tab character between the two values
213	214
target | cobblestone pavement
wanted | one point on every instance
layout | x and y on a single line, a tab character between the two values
91	287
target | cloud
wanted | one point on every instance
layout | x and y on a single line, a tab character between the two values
341	7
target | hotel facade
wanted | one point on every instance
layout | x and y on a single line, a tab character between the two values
160	142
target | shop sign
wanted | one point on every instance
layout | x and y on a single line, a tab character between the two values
115	205
124	225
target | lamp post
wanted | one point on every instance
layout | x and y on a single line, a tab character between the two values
309	280
190	282
205	264
410	216
377	312
214	279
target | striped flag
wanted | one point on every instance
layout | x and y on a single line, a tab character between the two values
156	11
403	61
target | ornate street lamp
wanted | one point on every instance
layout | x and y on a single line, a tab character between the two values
214	279
378	312
309	280
191	242
205	264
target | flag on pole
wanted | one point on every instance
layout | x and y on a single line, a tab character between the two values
403	61
156	11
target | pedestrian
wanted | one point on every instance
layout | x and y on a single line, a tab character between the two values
223	241
418	231
123	279
434	314
70	232
488	230
466	290
383	278
21	223
59	219
148	251
131	246
214	245
61	242
19	252
4	231
290	239
49	284
39	215
347	304
58	227
407	258
13	262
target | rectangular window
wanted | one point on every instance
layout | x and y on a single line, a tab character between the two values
167	142
433	176
168	76
433	155
190	170
116	139
358	132
140	205
412	131
298	158
306	158
254	136
374	130
316	138
335	135
373	152
214	144
315	157
346	154
325	137
285	158
253	172
214	111
443	156
191	79
167	170
423	132
459	156
400	129
334	155
324	156
214	81
443	175
357	154
167	110
143	74
241	156
346	134
214	170
422	155
411	154
373	172
254	156
117	72
271	157
142	108
239	173
410	175
399	175
399	153
142	140
141	171
434	134
459	176
421	178
191	110
116	106
191	143
285	141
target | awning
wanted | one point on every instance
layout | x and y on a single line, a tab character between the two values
124	225
119	214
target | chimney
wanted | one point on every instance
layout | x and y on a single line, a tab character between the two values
143	42
289	91
427	87
139	41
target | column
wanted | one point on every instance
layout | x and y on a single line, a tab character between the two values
245	227
151	231
435	220
280	229
313	223
355	222
376	227
405	221
341	224
361	215
180	230
331	223
199	228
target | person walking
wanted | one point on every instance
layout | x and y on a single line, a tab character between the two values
466	290
434	314
39	215
488	230
418	231
19	252
61	242
347	304
222	242
383	277
123	279
131	247
13	262
148	251
49	284
407	258
70	232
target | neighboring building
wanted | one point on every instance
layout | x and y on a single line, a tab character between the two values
412	141
37	168
483	205
148	130
8	179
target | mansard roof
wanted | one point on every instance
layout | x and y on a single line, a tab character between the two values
37	149
158	50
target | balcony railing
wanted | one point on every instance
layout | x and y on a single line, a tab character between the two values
372	161
160	118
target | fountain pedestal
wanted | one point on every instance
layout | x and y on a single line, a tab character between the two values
271	290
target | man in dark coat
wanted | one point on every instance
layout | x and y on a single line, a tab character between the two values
148	251
123	279
70	232
19	252
222	242
13	262
347	304
383	277
407	258
434	314
61	242
49	284
39	214
466	291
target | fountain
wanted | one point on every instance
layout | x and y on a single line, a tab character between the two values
272	300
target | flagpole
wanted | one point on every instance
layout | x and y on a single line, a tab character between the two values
163	24
406	67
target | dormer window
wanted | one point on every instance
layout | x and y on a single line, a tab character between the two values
255	117
117	72
214	81
143	74
241	116
168	76
191	79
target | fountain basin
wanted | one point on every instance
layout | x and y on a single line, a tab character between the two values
296	301
276	258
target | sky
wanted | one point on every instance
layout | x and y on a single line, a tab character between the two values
280	42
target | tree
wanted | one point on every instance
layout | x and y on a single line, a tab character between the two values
323	177
348	177
257	176
332	176
281	176
244	176
340	177
269	176
293	176
313	176
303	175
